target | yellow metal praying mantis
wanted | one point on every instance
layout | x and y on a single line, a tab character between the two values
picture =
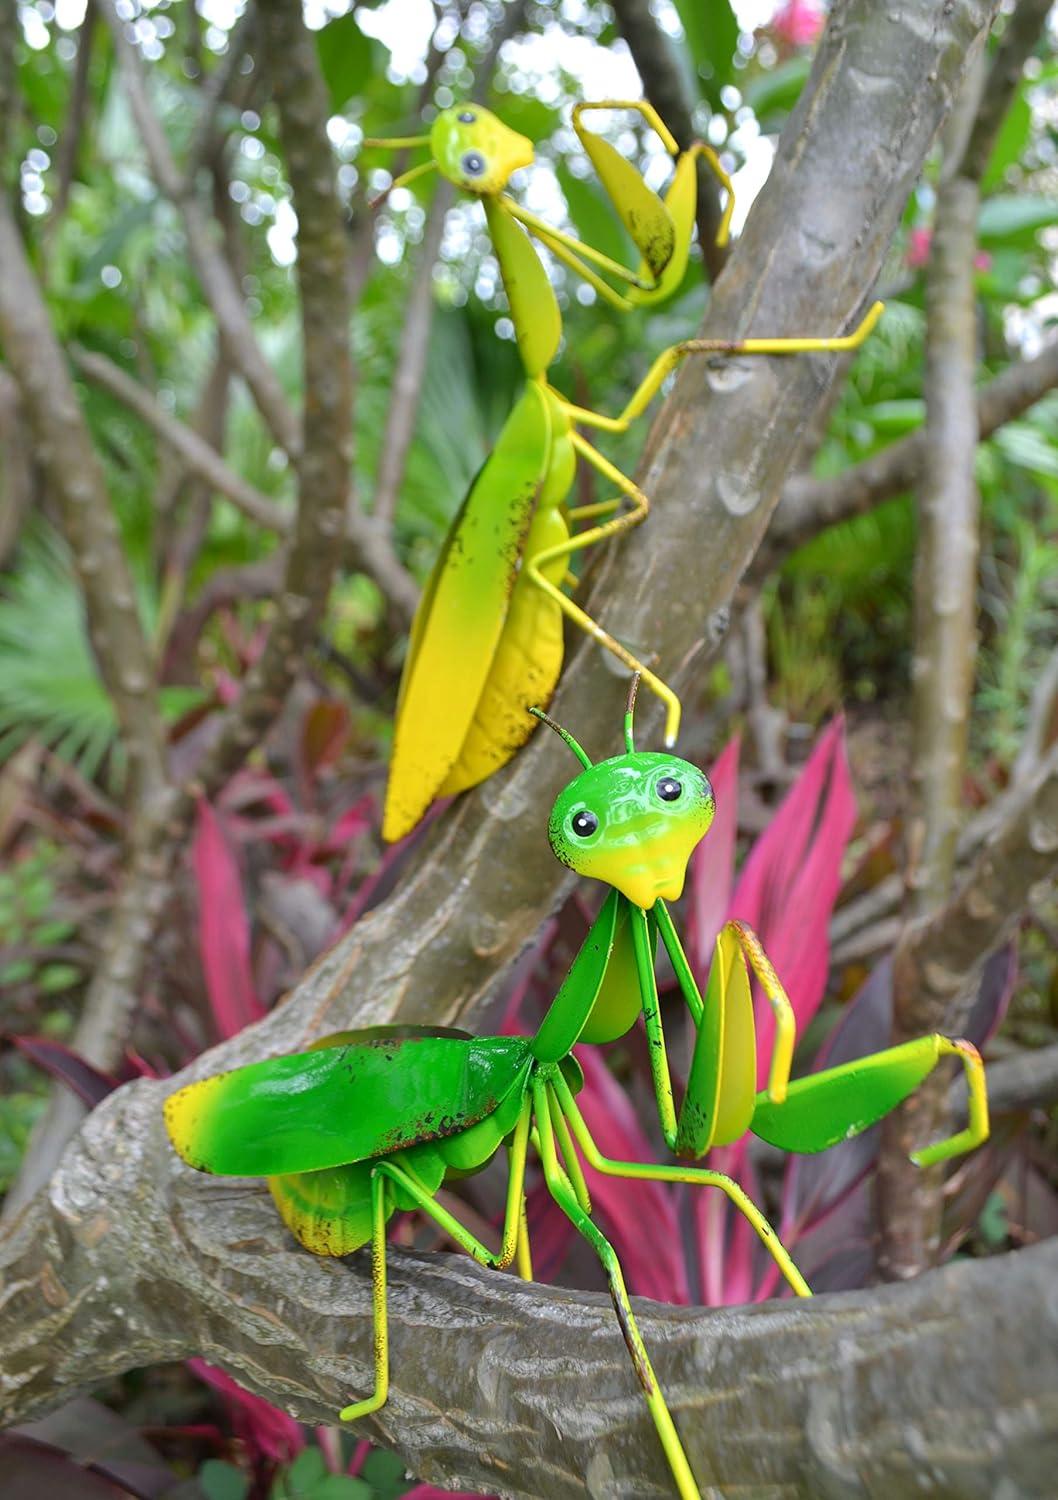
486	642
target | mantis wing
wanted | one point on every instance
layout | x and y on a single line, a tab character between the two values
824	1108
460	620
681	202
341	1103
641	211
719	1102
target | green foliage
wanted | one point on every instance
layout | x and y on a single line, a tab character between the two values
50	687
308	1478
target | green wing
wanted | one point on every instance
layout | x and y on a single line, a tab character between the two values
824	1108
720	1087
459	622
341	1103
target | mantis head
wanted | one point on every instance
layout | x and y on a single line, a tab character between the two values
633	820
471	147
476	151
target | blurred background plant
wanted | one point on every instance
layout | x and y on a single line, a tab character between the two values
809	841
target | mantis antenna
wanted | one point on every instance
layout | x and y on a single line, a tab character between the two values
578	750
630	710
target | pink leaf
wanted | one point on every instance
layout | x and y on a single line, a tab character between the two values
80	1076
267	1430
224	928
791	880
713	862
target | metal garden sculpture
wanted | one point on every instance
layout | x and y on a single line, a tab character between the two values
367	1123
486	642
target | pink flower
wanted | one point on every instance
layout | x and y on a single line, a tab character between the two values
918	243
797	23
918	246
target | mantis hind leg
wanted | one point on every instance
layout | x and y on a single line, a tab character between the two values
560	1188
638	511
379	1216
696	1176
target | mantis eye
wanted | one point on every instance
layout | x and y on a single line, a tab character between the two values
584	823
473	163
467	117
669	789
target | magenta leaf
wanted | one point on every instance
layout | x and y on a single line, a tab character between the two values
267	1431
224	928
81	1077
790	882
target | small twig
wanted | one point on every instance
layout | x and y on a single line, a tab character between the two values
196	453
768	724
70	139
255	580
16	467
810	505
215	91
69	458
411	365
214	273
324	463
936	966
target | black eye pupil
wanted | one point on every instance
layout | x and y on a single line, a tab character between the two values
467	118
584	823
669	788
473	163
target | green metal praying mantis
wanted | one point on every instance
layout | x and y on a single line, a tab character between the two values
486	642
367	1123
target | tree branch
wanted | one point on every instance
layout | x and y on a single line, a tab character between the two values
499	1386
945	630
810	505
813	245
65	450
214	273
199	455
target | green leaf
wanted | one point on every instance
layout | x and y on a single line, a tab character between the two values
1011	141
773	92
222	1481
1015	217
1028	448
385	1473
711	31
17	971
54	978
894	418
347	58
